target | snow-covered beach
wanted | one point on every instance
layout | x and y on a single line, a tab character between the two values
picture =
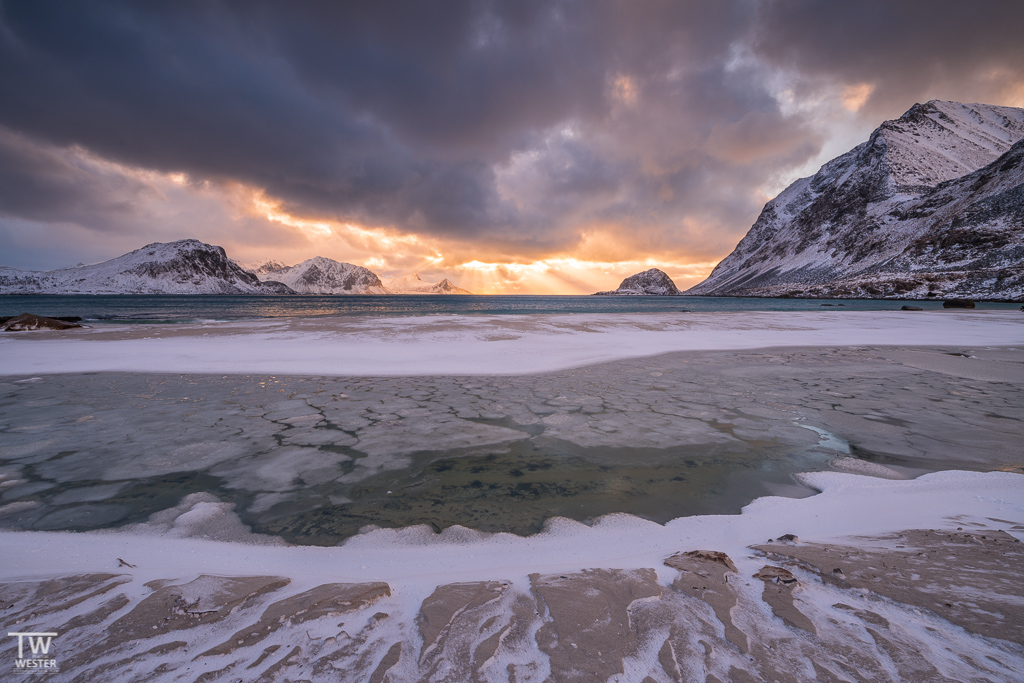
618	598
479	345
572	603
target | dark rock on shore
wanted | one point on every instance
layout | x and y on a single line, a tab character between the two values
30	321
62	318
958	303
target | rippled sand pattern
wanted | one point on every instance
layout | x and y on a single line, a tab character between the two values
899	607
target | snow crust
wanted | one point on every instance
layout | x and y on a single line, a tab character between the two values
478	345
416	557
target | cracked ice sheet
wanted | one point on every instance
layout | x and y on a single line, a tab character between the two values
318	458
468	345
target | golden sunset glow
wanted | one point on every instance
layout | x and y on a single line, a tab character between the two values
568	275
387	246
391	253
590	267
550	150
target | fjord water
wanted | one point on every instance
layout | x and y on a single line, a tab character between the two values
133	308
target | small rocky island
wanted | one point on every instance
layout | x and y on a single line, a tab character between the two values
653	282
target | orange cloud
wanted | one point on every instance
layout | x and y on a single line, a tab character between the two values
602	257
856	96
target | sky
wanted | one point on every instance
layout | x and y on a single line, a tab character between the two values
513	147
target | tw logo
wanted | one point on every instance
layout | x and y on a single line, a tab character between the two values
38	642
39	646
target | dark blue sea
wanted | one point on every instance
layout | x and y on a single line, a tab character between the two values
130	308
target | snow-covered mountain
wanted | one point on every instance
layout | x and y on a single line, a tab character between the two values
650	282
263	266
932	205
182	267
412	284
320	275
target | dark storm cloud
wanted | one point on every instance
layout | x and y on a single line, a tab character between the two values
907	48
183	89
44	184
382	112
424	115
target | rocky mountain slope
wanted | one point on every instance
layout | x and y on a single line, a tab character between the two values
650	282
932	205
182	267
412	284
320	275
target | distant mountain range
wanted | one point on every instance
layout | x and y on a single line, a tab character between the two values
932	205
193	267
183	267
320	275
412	284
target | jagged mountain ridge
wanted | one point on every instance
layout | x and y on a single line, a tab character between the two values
193	267
183	267
263	266
412	284
321	275
930	205
653	282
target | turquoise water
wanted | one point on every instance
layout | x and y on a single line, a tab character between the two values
172	309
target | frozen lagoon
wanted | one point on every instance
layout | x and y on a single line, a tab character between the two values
315	459
862	382
497	423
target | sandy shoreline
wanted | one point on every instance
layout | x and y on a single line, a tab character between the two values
929	580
